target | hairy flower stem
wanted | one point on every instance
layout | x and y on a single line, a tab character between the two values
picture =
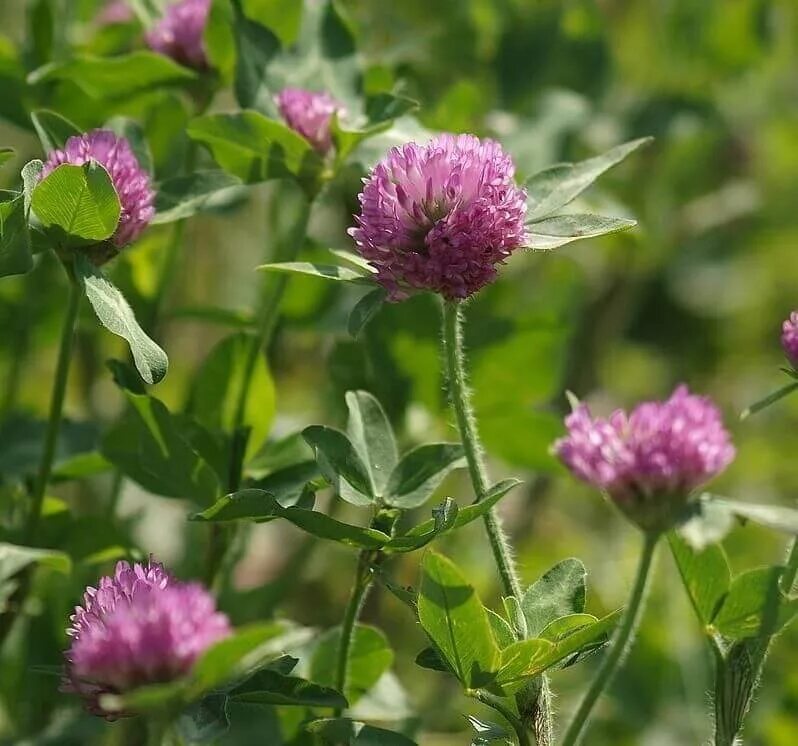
16	602
496	703
467	425
360	590
538	705
620	646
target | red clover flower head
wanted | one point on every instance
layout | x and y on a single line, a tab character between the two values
309	114
139	626
789	338
131	181
440	216
650	461
179	33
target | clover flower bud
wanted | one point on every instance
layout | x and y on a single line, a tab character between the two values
789	338
309	114
179	34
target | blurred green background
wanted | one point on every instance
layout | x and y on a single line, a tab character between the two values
697	294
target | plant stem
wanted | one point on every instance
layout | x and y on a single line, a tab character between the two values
56	405
787	580
496	703
620	646
467	425
356	600
267	321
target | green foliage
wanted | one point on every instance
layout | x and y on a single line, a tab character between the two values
253	148
369	658
456	621
115	314
79	201
154	448
114	77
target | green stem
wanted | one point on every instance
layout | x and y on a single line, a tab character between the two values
349	624
496	703
466	424
56	405
621	644
267	321
787	580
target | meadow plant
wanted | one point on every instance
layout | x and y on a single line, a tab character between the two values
440	227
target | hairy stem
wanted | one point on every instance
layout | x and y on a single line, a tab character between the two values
620	646
467	425
497	704
353	608
537	707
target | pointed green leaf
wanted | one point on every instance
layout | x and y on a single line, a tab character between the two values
420	472
254	148
325	271
371	434
370	656
521	660
258	505
183	196
471	512
555	187
234	656
79	200
769	399
116	315
364	311
705	574
502	630
340	463
257	46
268	687
53	129
15	255
218	386
14	558
566	625
114	77
149	445
558	592
486	732
456	621
559	230
744	606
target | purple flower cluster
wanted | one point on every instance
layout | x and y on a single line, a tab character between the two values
309	114
179	34
131	181
140	626
789	338
440	216
660	453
